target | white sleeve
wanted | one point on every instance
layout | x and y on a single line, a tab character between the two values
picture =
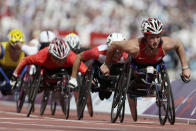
29	50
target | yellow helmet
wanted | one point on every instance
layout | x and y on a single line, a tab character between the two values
15	35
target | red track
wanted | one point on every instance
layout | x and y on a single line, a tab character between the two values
12	121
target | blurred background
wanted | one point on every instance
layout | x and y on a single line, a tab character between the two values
93	20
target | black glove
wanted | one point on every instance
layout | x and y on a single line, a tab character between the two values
184	79
13	82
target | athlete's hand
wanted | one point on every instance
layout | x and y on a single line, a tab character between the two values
72	83
105	69
186	75
13	82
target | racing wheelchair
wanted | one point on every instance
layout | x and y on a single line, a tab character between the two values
144	81
22	87
6	87
95	81
49	80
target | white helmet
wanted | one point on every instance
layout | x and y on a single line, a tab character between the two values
59	49
46	36
73	41
152	26
115	37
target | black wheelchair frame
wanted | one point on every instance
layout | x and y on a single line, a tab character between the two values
161	89
93	76
44	81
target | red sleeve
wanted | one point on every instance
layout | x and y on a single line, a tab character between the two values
71	58
91	54
36	59
25	61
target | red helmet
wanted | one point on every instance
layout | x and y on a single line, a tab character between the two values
59	49
152	26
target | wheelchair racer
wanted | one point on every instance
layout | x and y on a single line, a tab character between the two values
73	41
149	49
57	55
99	54
10	56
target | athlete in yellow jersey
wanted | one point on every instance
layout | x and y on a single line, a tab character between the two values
10	56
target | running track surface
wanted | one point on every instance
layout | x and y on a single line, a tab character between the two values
12	121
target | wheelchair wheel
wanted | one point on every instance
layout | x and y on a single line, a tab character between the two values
33	92
171	111
90	106
20	100
163	100
120	94
115	111
84	93
133	107
122	114
67	103
20	96
44	101
53	107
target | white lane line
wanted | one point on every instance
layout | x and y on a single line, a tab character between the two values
87	121
57	126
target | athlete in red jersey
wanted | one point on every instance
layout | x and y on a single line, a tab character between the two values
99	53
57	55
148	50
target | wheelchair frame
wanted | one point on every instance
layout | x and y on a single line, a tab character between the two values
45	82
84	92
163	84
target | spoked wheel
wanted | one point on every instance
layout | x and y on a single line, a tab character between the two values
44	102
120	94
171	111
53	107
90	106
21	99
115	110
133	107
84	93
33	92
122	113
20	96
163	101
67	103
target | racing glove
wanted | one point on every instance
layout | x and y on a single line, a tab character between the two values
72	83
13	82
184	79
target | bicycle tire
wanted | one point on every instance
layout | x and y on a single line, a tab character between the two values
122	114
171	111
84	93
53	107
44	101
115	101
163	101
133	107
34	90
67	103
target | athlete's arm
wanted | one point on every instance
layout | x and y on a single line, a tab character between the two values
29	50
131	47
169	44
84	56
76	65
36	59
